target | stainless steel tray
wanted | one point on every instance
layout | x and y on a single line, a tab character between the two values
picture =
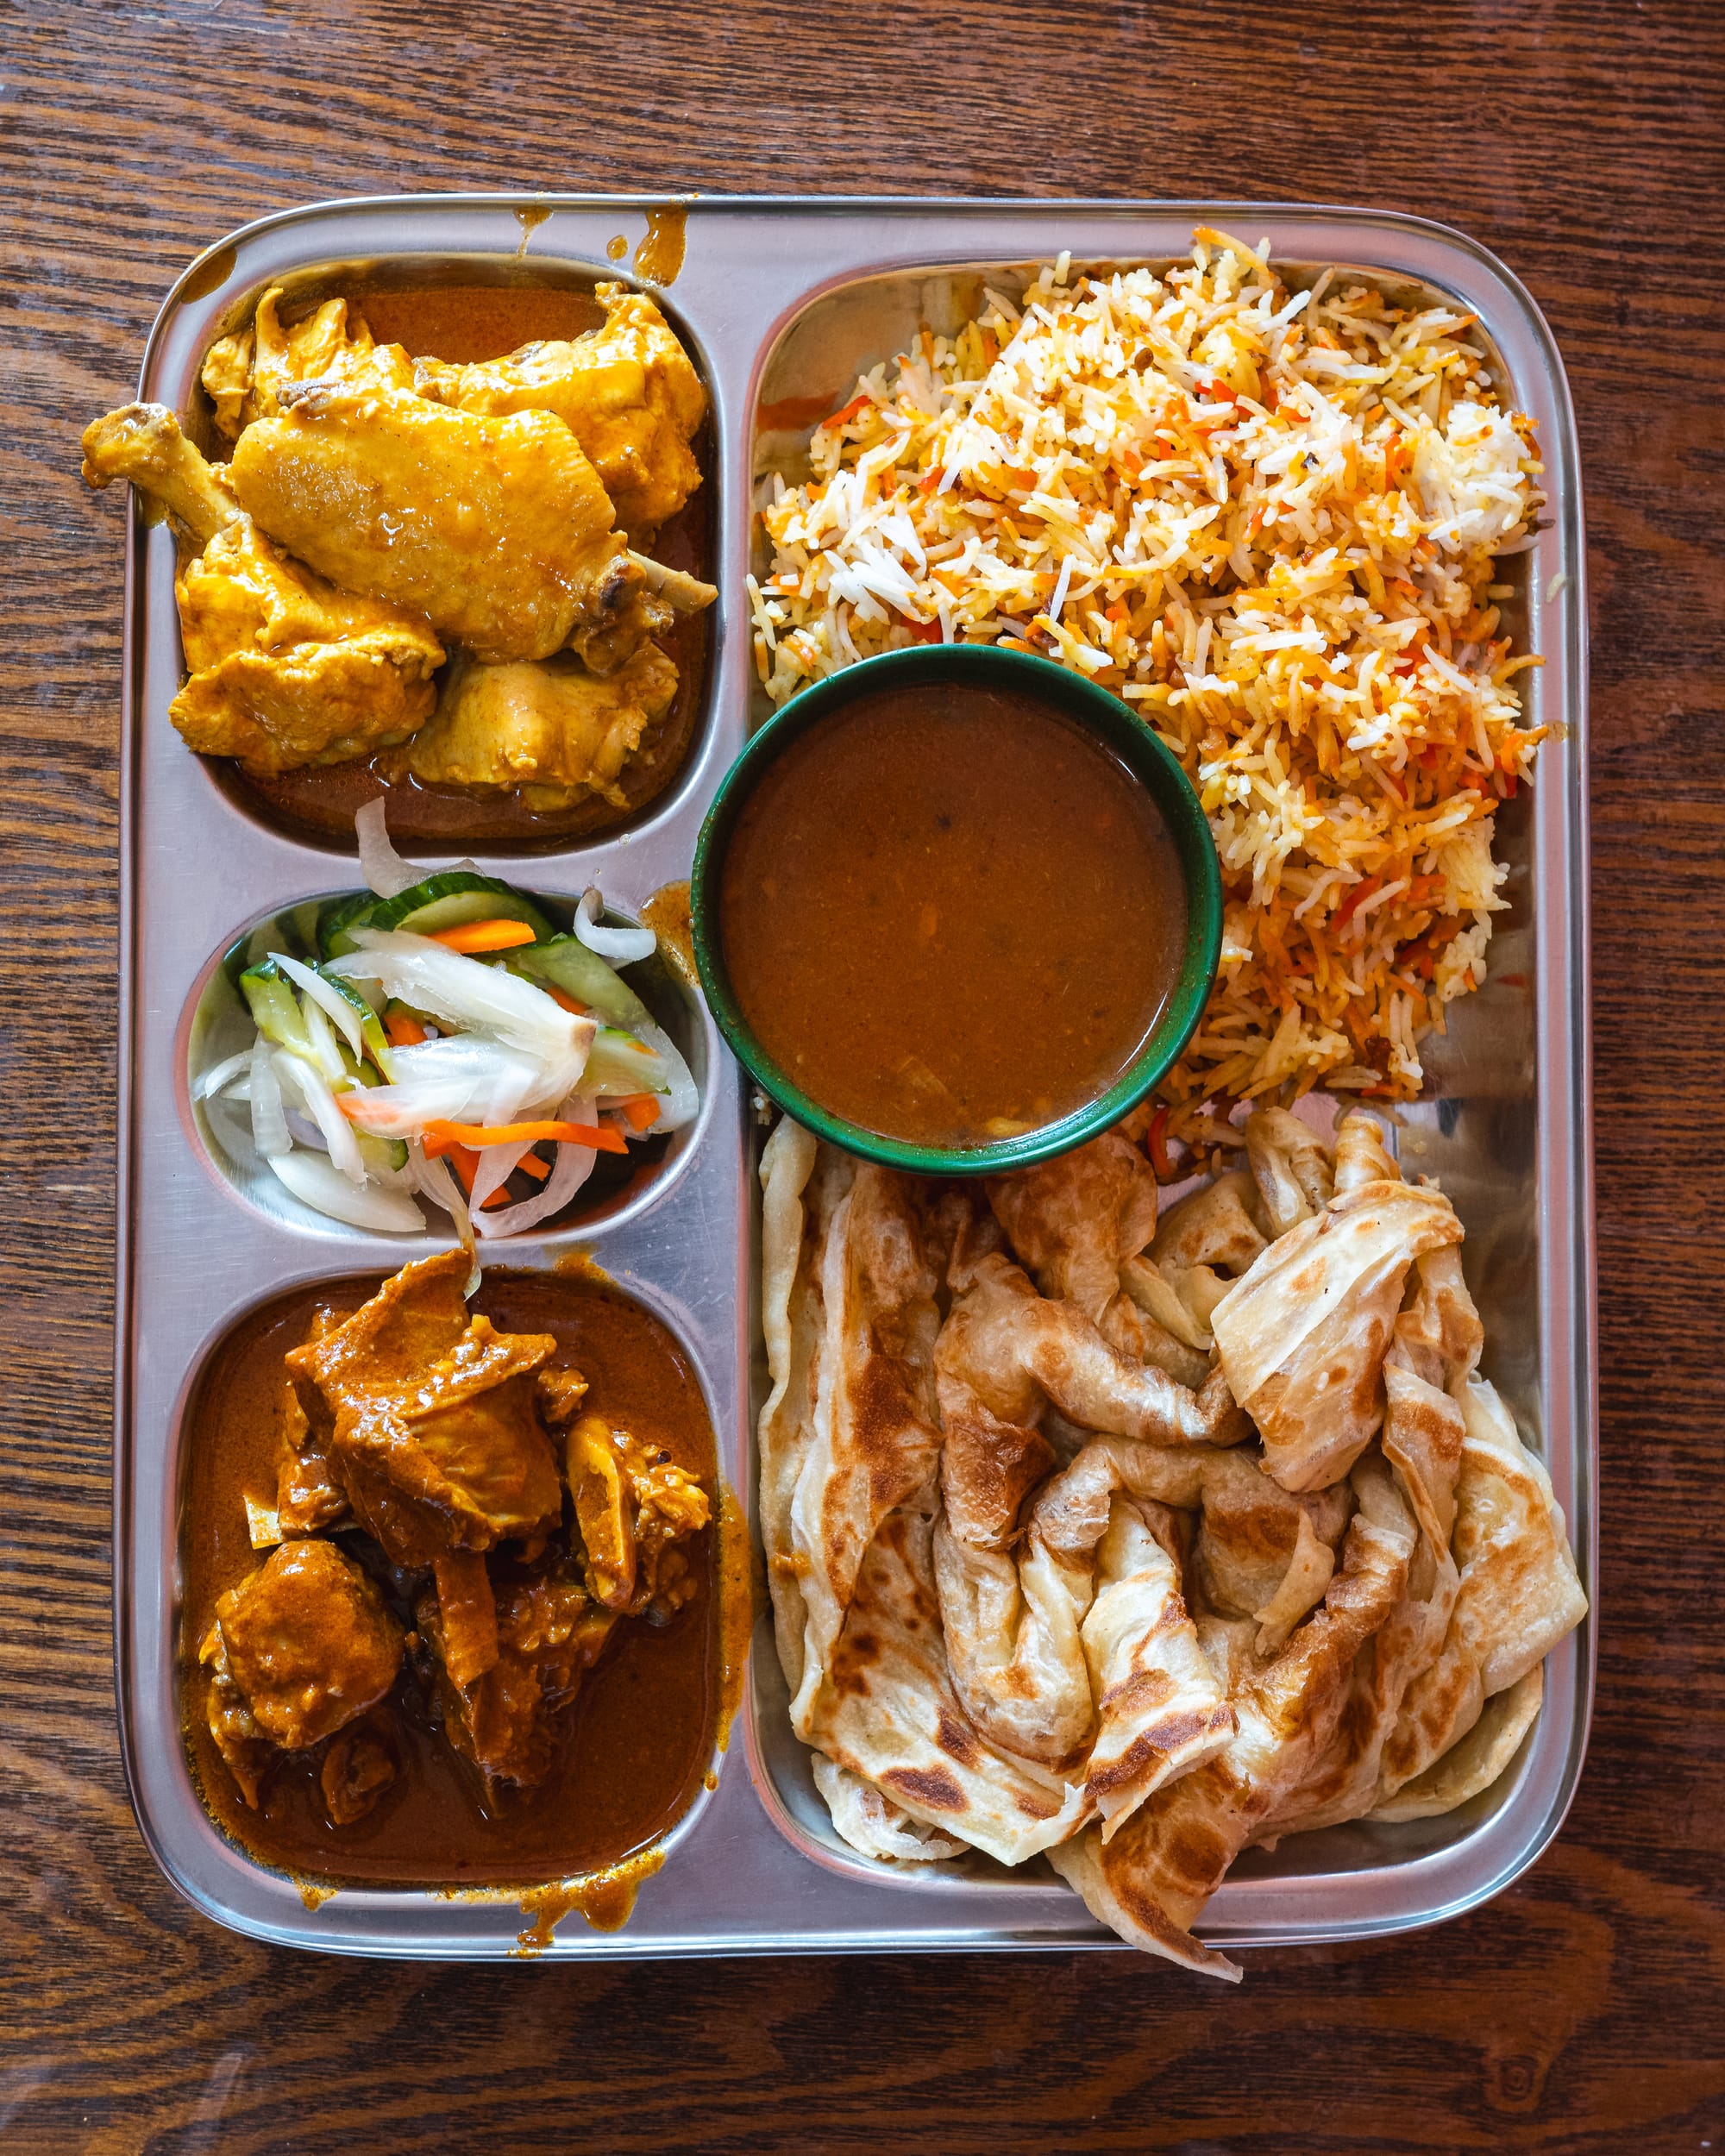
793	297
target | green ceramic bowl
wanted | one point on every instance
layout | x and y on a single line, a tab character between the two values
1101	715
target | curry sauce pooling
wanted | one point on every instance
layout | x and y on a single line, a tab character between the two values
621	1759
950	915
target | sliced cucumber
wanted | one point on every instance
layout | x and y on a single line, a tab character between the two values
618	1065
275	1009
370	1026
381	1153
451	899
337	916
583	974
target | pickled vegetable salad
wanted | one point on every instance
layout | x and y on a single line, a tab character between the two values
445	1041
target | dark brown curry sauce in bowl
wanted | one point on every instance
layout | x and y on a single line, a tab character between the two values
956	909
610	1752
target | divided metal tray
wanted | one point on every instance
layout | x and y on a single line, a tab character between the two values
782	299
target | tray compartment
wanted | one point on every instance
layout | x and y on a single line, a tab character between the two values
471	305
1473	1129
199	1460
752	1873
216	1024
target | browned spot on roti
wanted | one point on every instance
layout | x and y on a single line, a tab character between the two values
1034	1805
852	1658
931	1786
887	1431
987	1468
1161	1743
1139	1694
956	1739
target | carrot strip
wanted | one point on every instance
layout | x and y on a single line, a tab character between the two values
482	936
403	1032
846	412
562	997
463	1160
1361	891
531	1164
641	1110
442	1136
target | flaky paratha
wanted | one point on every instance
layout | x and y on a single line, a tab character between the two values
1136	1542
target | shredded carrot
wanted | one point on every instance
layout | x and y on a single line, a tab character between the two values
640	1109
848	412
1360	892
441	1136
403	1032
1156	1143
531	1164
479	936
562	996
463	1160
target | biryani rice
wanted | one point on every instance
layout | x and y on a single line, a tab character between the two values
1268	519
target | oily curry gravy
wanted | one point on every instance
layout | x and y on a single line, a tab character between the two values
950	915
631	1749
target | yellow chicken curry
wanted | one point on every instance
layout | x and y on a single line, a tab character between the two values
441	562
449	1603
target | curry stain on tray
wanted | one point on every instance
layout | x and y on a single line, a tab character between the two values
634	1746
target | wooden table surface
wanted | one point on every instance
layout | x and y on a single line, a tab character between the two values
1585	2008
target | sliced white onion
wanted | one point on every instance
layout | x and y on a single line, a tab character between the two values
314	1090
461	992
497	1163
269	1122
516	1088
619	946
315	1182
220	1074
436	1179
330	1002
680	1105
465	1080
383	868
573	1164
325	1050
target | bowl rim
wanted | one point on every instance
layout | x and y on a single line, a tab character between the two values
1103	716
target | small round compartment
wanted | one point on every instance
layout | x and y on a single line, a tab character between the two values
216	1024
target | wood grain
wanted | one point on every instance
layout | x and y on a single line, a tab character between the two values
1585	143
